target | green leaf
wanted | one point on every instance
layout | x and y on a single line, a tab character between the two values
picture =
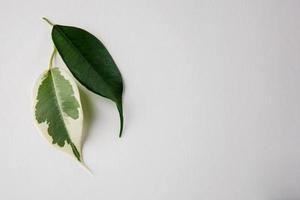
90	63
58	111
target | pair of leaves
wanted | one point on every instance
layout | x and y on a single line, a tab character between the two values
58	110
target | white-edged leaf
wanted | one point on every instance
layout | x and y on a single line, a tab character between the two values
58	111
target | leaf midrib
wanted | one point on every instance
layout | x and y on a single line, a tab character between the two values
57	101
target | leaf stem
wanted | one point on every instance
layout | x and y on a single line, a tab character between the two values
52	57
48	21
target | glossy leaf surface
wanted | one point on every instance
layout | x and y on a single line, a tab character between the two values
90	63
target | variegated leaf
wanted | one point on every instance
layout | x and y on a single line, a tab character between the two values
58	111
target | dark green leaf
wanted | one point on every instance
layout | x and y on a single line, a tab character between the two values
90	63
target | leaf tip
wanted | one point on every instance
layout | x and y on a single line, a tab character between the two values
120	110
84	166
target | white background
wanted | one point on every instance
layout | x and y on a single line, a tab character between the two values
212	101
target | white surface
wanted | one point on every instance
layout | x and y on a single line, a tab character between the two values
212	101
